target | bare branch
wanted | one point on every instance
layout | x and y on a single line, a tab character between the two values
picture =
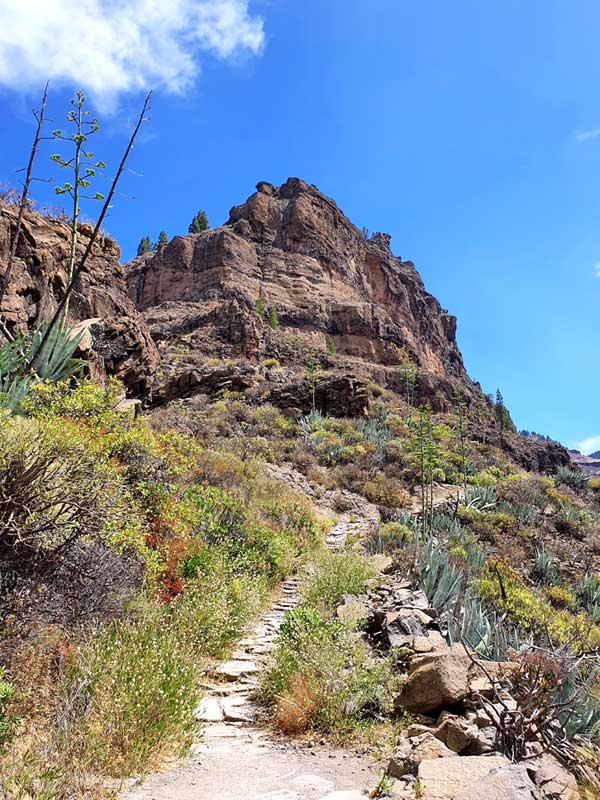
82	261
24	197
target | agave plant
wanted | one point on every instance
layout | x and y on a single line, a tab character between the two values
575	478
481	498
543	569
13	384
309	422
26	361
484	631
375	431
52	359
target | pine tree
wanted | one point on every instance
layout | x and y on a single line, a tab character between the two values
163	239
273	318
260	307
503	414
199	223
145	245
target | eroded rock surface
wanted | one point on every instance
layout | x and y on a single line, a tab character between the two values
119	341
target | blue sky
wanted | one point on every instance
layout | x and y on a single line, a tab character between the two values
470	131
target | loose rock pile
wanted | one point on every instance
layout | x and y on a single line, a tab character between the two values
452	752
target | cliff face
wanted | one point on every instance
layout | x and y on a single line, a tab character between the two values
121	344
292	247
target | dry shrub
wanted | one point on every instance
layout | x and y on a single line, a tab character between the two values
299	705
36	658
386	492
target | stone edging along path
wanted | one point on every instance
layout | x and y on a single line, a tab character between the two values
236	758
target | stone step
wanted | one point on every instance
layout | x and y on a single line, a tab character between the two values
232	670
209	710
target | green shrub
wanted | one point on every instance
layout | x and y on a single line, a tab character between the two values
132	696
488	525
391	537
560	597
337	574
216	606
386	491
322	676
8	722
501	587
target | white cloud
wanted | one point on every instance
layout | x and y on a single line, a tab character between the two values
584	136
589	445
109	47
597	269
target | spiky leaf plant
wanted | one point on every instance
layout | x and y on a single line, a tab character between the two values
24	362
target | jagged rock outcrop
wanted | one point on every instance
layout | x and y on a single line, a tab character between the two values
287	274
294	249
120	343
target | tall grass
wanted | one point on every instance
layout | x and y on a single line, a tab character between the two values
337	574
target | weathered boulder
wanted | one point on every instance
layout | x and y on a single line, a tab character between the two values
441	679
510	782
553	779
446	778
436	681
410	752
456	732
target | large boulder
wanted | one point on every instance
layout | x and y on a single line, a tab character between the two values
553	779
436	681
444	678
474	778
510	782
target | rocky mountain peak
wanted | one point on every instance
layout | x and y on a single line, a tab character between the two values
292	249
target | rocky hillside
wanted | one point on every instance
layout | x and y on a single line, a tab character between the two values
589	463
120	343
289	278
288	281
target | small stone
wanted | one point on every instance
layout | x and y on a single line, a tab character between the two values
382	563
236	712
209	710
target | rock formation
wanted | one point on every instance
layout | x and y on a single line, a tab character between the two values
120	343
288	274
292	250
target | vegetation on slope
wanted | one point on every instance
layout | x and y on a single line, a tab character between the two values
111	533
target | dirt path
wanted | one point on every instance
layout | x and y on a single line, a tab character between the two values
236	758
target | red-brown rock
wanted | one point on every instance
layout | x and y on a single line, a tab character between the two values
120	342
